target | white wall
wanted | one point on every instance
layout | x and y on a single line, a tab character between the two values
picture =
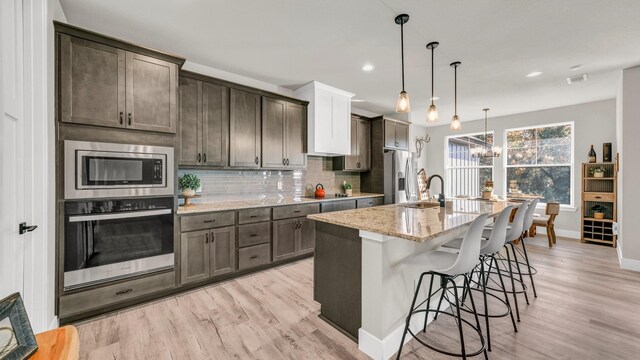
628	122
595	123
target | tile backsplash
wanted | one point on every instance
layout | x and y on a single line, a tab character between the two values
259	184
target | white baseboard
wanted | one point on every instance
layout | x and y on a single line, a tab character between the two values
571	234
628	264
378	349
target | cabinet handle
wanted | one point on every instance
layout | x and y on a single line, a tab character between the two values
199	157
287	161
253	216
257	160
121	118
397	144
125	291
204	158
370	202
253	235
206	238
129	118
284	161
296	211
253	257
209	221
598	197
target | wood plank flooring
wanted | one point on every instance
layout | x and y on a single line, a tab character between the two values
587	308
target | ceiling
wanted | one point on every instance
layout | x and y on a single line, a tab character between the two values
291	42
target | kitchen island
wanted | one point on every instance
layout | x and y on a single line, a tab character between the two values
361	278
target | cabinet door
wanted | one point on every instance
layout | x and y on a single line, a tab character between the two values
215	125
194	256
222	250
340	123
351	161
364	144
296	136
151	94
389	134
92	83
284	238
244	130
190	126
273	130
402	136
306	236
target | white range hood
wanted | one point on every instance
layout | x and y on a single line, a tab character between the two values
329	119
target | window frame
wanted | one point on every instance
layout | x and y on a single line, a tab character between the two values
447	189
506	166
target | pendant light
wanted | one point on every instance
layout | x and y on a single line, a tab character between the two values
432	111
486	151
403	99
456	125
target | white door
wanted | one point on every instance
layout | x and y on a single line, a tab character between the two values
12	154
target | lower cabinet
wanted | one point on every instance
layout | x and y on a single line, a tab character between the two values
207	253
292	237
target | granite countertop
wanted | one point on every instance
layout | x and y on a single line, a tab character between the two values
258	203
415	224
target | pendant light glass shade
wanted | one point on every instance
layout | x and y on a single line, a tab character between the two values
432	114
403	102
402	105
455	123
432	111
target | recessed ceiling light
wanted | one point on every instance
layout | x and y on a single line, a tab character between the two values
357	100
367	67
576	67
534	74
435	98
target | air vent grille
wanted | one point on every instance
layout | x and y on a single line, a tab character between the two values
577	79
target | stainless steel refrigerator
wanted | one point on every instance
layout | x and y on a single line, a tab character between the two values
400	177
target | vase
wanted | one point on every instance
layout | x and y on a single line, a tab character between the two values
486	195
188	192
598	174
348	192
598	215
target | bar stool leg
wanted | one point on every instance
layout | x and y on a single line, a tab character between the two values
526	258
475	314
486	306
426	315
443	287
515	257
413	304
513	283
459	319
504	291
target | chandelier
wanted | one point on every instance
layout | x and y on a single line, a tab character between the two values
486	151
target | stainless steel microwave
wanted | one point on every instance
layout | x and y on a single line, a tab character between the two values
102	170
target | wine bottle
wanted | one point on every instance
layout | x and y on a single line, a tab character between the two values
592	155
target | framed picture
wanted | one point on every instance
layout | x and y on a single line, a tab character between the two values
16	337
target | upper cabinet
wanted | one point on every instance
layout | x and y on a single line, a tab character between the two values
329	119
204	123
396	134
283	134
107	82
360	158
245	129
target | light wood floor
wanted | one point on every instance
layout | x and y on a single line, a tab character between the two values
587	308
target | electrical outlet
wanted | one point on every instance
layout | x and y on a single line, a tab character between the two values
279	185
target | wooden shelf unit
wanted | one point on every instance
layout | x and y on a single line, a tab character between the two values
599	191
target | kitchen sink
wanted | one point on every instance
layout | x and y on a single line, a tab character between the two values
422	205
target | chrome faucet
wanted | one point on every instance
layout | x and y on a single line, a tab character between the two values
441	196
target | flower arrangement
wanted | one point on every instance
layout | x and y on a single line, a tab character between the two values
597	171
486	192
348	188
598	211
189	183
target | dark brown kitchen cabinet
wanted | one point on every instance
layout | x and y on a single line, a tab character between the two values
396	134
207	253
283	134
360	158
244	129
204	123
106	86
292	237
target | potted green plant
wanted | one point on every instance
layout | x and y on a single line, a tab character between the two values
486	192
188	183
348	189
598	171
598	211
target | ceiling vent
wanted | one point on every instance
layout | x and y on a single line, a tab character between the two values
577	79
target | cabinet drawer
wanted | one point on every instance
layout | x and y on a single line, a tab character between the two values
370	202
207	221
330	206
599	196
254	256
254	234
112	294
254	215
284	212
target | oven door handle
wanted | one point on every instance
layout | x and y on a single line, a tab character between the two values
122	215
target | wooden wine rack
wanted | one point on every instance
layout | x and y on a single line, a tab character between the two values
599	191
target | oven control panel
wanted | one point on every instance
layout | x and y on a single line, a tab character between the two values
117	205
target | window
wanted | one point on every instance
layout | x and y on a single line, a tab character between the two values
466	174
539	161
